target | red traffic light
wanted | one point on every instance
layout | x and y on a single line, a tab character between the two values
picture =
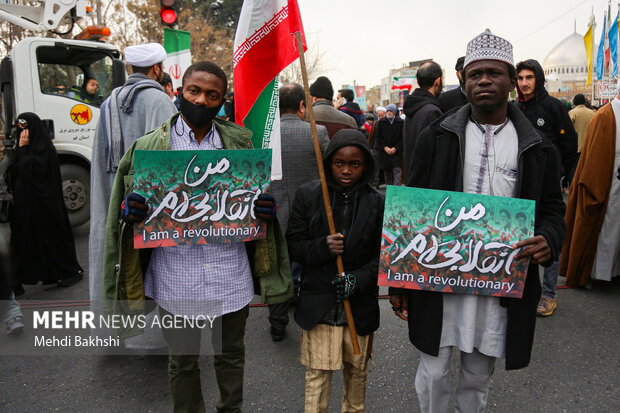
168	16
169	12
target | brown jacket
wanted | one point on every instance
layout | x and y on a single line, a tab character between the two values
587	200
327	115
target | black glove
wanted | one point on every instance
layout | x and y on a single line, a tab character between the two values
618	176
265	207
134	208
346	286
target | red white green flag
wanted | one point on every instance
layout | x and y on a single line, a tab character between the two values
265	45
402	82
178	48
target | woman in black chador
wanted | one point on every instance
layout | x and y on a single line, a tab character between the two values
42	246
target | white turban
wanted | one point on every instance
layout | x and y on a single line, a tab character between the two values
381	109
145	55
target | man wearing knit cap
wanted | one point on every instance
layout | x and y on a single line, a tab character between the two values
132	110
325	113
486	147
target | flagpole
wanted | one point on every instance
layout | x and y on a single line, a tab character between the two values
326	201
593	68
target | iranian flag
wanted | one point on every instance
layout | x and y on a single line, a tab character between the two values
265	44
177	45
402	82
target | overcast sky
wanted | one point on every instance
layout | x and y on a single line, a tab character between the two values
361	40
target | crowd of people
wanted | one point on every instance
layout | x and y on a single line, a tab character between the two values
471	139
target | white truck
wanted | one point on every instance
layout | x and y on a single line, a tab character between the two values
47	76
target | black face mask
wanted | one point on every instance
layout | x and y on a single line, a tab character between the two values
197	115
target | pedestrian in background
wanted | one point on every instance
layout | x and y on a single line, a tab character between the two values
325	113
455	98
550	117
421	108
298	167
580	115
42	246
388	143
591	249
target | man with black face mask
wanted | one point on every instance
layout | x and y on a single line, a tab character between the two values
217	273
132	110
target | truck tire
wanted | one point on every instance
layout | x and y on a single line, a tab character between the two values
76	192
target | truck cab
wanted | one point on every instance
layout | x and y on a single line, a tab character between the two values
64	82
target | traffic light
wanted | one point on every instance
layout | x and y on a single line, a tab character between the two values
169	12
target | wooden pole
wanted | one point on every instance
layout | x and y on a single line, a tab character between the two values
326	201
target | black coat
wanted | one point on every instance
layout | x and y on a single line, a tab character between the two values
452	99
550	116
306	236
421	109
42	246
390	135
438	165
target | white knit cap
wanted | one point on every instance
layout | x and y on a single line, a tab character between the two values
487	46
145	55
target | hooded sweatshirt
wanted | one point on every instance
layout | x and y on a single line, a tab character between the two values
550	117
421	108
358	215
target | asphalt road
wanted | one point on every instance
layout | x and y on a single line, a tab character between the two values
575	366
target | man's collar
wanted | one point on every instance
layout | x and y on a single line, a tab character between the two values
323	102
183	130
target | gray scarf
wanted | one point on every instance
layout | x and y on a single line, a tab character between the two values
121	100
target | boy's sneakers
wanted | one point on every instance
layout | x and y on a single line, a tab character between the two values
15	325
546	307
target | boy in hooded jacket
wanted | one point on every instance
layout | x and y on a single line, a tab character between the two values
358	211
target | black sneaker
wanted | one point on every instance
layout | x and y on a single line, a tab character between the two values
277	335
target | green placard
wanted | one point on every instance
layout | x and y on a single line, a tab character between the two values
196	197
454	242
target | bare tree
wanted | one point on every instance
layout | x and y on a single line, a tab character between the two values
314	60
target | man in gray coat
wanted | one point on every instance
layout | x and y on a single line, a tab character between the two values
132	110
298	168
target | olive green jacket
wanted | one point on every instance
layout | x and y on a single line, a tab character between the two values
124	267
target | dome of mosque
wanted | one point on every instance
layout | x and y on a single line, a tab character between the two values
568	53
567	62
